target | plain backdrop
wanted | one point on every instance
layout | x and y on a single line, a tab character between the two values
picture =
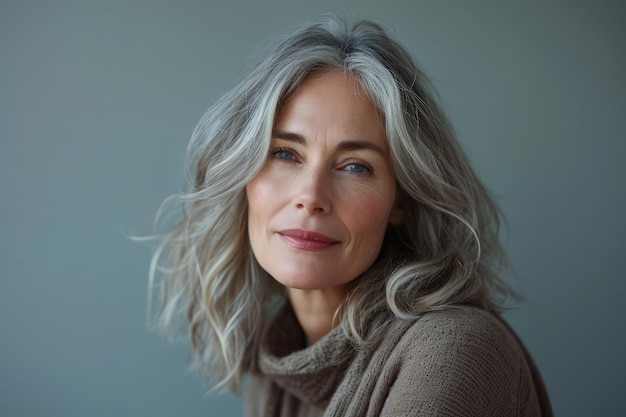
98	100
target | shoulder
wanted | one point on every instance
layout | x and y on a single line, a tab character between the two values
464	327
464	339
461	361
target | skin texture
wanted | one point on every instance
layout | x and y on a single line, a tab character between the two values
319	208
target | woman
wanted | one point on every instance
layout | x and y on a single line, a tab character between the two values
337	248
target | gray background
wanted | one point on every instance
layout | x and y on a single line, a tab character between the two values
97	101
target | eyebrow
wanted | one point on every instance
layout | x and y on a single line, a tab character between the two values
294	137
348	145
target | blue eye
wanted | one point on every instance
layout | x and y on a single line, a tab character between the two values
357	168
283	154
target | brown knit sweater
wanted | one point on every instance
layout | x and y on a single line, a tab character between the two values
457	362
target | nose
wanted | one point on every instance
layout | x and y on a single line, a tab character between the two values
313	193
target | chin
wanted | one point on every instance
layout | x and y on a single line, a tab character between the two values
300	281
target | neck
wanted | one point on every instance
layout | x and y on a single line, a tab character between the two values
315	309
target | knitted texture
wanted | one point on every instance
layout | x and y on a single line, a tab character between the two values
456	362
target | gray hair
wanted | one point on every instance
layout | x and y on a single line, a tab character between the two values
445	253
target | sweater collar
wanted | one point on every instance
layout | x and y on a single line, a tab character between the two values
313	373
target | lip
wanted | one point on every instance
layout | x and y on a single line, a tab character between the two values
307	239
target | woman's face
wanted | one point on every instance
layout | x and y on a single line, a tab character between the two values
319	208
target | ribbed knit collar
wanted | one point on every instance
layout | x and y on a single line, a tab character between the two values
313	373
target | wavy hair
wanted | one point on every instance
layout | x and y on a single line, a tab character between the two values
445	253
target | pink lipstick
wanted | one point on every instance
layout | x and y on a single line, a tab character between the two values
307	240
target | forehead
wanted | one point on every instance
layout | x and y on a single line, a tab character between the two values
332	101
329	81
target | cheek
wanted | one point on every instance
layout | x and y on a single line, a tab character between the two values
368	224
263	204
259	194
255	218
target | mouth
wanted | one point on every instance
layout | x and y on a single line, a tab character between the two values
307	240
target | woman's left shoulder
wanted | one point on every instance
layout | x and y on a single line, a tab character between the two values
462	361
463	329
466	346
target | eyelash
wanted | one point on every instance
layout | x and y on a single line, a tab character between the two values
367	169
275	151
